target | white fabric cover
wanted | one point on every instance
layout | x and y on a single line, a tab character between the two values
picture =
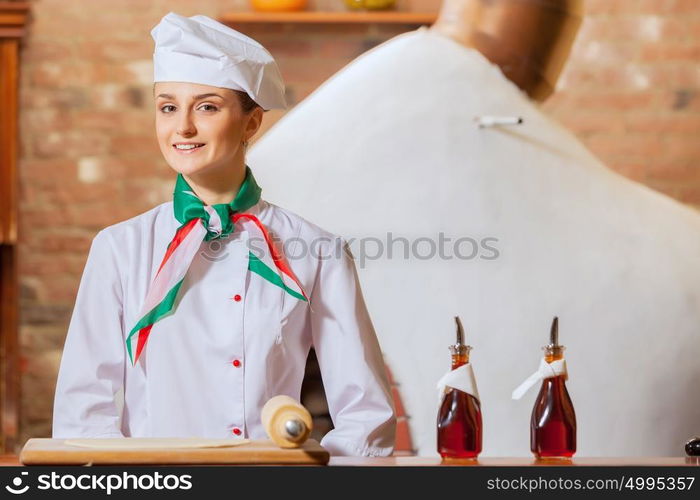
389	144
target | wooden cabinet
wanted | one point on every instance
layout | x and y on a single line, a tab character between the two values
318	17
13	18
329	12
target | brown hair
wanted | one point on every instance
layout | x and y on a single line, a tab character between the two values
247	104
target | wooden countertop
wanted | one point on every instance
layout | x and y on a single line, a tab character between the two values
9	460
515	461
150	451
412	461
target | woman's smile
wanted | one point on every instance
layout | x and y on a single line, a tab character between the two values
188	148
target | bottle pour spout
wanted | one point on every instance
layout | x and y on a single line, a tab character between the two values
460	348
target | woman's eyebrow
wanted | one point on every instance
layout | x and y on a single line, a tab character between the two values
197	97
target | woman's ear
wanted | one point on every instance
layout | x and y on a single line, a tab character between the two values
254	121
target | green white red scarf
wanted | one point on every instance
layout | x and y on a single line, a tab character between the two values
200	222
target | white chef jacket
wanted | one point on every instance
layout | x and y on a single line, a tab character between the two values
233	341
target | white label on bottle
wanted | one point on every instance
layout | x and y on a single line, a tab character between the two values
461	378
545	370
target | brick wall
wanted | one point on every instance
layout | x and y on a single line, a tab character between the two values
88	155
631	91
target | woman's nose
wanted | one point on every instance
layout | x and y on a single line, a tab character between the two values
185	126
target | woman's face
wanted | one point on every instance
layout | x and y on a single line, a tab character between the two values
201	128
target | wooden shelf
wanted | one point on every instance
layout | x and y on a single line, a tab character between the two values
13	18
318	17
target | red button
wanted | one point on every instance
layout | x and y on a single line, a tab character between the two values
237	298
236	431
236	363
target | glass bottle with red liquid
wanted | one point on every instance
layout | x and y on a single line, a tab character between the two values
553	422
459	424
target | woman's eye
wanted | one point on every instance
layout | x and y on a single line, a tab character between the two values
169	108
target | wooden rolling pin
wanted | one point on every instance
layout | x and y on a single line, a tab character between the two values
286	422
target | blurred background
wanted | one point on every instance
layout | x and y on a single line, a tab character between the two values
87	155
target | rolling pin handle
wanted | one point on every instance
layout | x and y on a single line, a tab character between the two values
286	421
295	428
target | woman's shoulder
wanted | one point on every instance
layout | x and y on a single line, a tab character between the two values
307	245
144	224
287	223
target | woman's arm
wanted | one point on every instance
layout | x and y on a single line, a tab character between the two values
352	367
92	366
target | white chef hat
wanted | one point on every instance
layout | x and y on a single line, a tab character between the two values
198	49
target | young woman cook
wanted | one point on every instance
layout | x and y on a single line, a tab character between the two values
189	317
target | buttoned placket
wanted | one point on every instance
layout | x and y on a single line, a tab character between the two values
236	301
